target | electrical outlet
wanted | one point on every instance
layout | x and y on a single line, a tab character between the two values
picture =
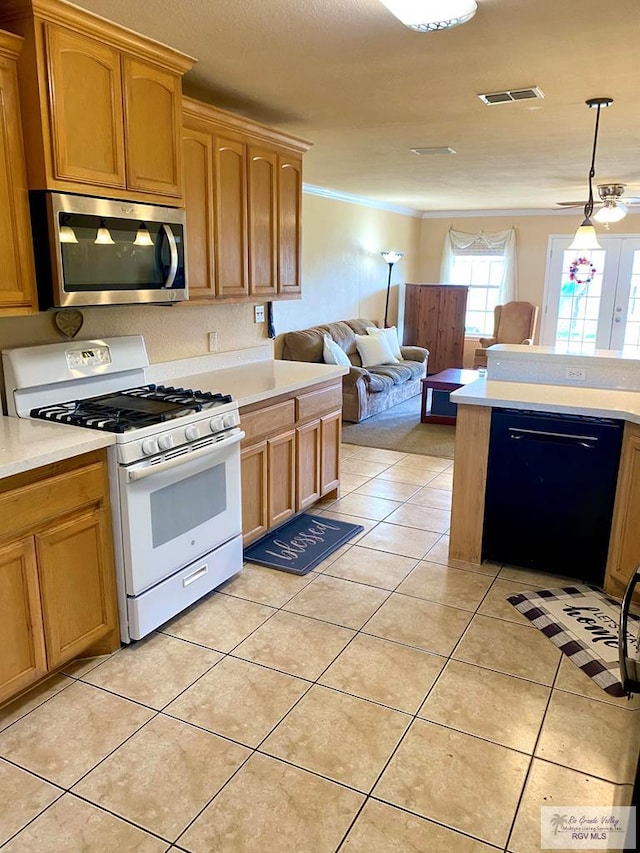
575	373
258	313
213	341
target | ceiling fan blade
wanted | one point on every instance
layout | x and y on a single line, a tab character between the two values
571	203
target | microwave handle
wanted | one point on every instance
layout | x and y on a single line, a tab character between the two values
628	682
173	268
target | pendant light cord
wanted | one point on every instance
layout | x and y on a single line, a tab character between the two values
588	208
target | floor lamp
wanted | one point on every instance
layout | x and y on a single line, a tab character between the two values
391	258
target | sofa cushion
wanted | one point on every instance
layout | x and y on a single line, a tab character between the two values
333	353
378	382
397	373
391	337
374	350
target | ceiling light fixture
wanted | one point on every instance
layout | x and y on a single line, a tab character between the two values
143	238
66	233
425	16
103	237
586	234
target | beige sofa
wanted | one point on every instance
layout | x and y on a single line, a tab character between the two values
365	392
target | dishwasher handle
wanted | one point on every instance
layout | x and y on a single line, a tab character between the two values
587	441
629	667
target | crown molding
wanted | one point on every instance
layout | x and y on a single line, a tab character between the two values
324	192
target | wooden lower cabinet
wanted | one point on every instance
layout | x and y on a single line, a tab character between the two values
57	578
624	546
290	456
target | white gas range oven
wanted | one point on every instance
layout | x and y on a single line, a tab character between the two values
174	469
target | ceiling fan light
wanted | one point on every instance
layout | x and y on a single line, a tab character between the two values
428	15
611	213
585	238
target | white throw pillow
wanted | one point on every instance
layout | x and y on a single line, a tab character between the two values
374	350
391	334
333	353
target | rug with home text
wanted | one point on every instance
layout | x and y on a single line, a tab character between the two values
301	544
583	623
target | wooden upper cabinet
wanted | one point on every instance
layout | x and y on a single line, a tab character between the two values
230	193
289	224
197	154
263	225
153	125
17	281
101	104
85	93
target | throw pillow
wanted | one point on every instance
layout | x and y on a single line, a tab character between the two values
391	334
334	354
374	350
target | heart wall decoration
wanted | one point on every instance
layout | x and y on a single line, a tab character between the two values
68	323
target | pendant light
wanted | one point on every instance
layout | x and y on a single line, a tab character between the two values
425	16
586	238
143	238
66	234
103	237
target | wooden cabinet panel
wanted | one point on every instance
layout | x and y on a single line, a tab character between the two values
78	590
269	419
262	216
289	224
17	281
22	660
330	438
255	518
152	100
624	547
319	402
307	464
434	318
85	93
198	200
281	477
231	218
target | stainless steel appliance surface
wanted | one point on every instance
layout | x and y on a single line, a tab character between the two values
96	251
174	468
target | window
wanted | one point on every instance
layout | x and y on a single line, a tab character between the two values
486	263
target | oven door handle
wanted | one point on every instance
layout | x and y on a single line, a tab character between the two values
158	468
173	249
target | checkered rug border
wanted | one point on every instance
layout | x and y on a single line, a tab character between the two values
531	604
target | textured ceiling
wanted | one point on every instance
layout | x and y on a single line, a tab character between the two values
349	77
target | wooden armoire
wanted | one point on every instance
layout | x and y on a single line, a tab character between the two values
434	318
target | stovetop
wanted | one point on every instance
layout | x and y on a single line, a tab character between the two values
131	409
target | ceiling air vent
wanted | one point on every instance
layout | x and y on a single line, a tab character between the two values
512	95
446	149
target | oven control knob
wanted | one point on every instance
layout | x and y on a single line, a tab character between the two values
229	420
165	442
216	424
150	446
191	433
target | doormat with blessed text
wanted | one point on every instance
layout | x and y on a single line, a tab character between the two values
301	544
583	623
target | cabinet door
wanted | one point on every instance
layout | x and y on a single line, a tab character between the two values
330	437
307	464
262	215
450	347
421	323
17	282
231	218
624	548
289	224
153	129
22	654
77	584
198	201
281	477
253	462
85	104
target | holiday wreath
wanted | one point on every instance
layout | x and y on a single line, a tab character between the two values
576	266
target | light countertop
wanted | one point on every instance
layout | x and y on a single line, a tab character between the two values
26	444
260	380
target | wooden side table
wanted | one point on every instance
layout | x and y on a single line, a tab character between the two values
440	410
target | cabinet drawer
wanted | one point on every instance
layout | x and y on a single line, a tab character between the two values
32	505
320	402
272	419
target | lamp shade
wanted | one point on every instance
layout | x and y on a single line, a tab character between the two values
143	238
428	15
585	238
103	237
611	213
67	234
392	257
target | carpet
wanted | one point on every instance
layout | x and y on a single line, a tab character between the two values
583	623
399	428
301	544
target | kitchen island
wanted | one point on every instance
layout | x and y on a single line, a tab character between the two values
605	385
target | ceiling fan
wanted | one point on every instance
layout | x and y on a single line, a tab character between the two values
612	208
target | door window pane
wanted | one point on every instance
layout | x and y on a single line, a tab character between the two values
579	302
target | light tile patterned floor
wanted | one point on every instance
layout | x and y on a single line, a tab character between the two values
387	701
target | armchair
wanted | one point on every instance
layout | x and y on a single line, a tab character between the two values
514	323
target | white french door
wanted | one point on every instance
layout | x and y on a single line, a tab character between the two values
597	304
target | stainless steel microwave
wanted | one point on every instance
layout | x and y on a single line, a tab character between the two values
96	251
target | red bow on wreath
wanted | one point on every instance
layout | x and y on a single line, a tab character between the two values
575	266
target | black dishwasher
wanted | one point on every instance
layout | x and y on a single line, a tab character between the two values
551	484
